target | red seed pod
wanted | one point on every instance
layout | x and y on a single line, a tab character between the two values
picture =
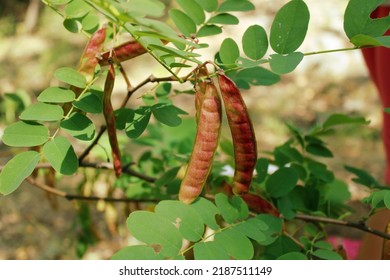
109	116
123	52
209	119
89	58
244	139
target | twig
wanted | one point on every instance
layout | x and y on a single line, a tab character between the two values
93	144
104	165
71	197
358	225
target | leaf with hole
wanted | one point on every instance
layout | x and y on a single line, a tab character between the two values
79	126
185	218
145	225
357	19
56	95
255	42
25	134
42	112
61	155
137	252
17	170
289	27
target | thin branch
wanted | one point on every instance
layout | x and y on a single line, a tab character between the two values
358	225
93	144
71	197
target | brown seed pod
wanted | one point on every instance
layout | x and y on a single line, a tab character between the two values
89	58
209	112
109	116
244	139
123	52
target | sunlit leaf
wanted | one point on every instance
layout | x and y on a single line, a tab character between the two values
25	134
289	27
137	252
229	51
16	170
235	243
56	95
210	251
255	42
283	64
42	112
183	22
61	155
70	76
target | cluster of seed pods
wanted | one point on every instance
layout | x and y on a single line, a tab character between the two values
209	116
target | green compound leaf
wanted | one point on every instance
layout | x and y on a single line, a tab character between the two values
183	22
137	123
193	10
281	182
258	76
357	19
56	95
283	64
236	6
137	252
229	52
207	211
167	114
90	103
25	134
289	27
189	223
210	251
71	77
255	42
224	18
16	170
61	155
79	126
156	231
209	30
42	112
235	243
208	5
